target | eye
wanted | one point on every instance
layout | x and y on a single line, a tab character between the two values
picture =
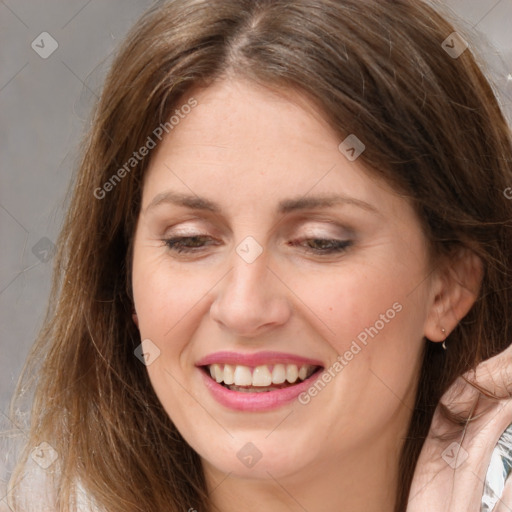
323	245
189	244
195	243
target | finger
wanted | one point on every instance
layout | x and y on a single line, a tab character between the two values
492	378
495	374
460	398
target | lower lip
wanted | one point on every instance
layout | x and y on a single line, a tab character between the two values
256	402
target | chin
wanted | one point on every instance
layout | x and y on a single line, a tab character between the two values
258	459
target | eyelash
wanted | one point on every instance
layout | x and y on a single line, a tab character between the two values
334	246
175	244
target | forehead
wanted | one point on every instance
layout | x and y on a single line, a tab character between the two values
240	114
249	144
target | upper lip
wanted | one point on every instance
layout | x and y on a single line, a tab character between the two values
256	359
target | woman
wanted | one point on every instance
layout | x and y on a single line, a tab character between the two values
288	238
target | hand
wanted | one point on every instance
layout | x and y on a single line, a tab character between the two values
450	474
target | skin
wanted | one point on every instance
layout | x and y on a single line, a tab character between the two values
247	148
457	486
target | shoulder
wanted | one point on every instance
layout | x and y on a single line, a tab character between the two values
35	491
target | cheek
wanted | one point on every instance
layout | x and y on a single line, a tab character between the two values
172	302
354	303
163	295
169	307
374	325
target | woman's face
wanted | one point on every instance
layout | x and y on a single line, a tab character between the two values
284	258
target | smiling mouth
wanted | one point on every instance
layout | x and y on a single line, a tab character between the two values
259	379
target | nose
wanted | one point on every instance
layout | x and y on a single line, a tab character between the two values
251	300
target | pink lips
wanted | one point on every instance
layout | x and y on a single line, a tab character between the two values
256	359
255	402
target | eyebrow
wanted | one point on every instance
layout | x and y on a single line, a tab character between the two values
285	206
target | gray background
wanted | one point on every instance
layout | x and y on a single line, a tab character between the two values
44	106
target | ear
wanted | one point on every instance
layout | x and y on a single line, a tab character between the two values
455	287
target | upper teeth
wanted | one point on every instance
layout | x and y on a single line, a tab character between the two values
264	375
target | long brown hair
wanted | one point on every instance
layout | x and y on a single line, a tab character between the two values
432	128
